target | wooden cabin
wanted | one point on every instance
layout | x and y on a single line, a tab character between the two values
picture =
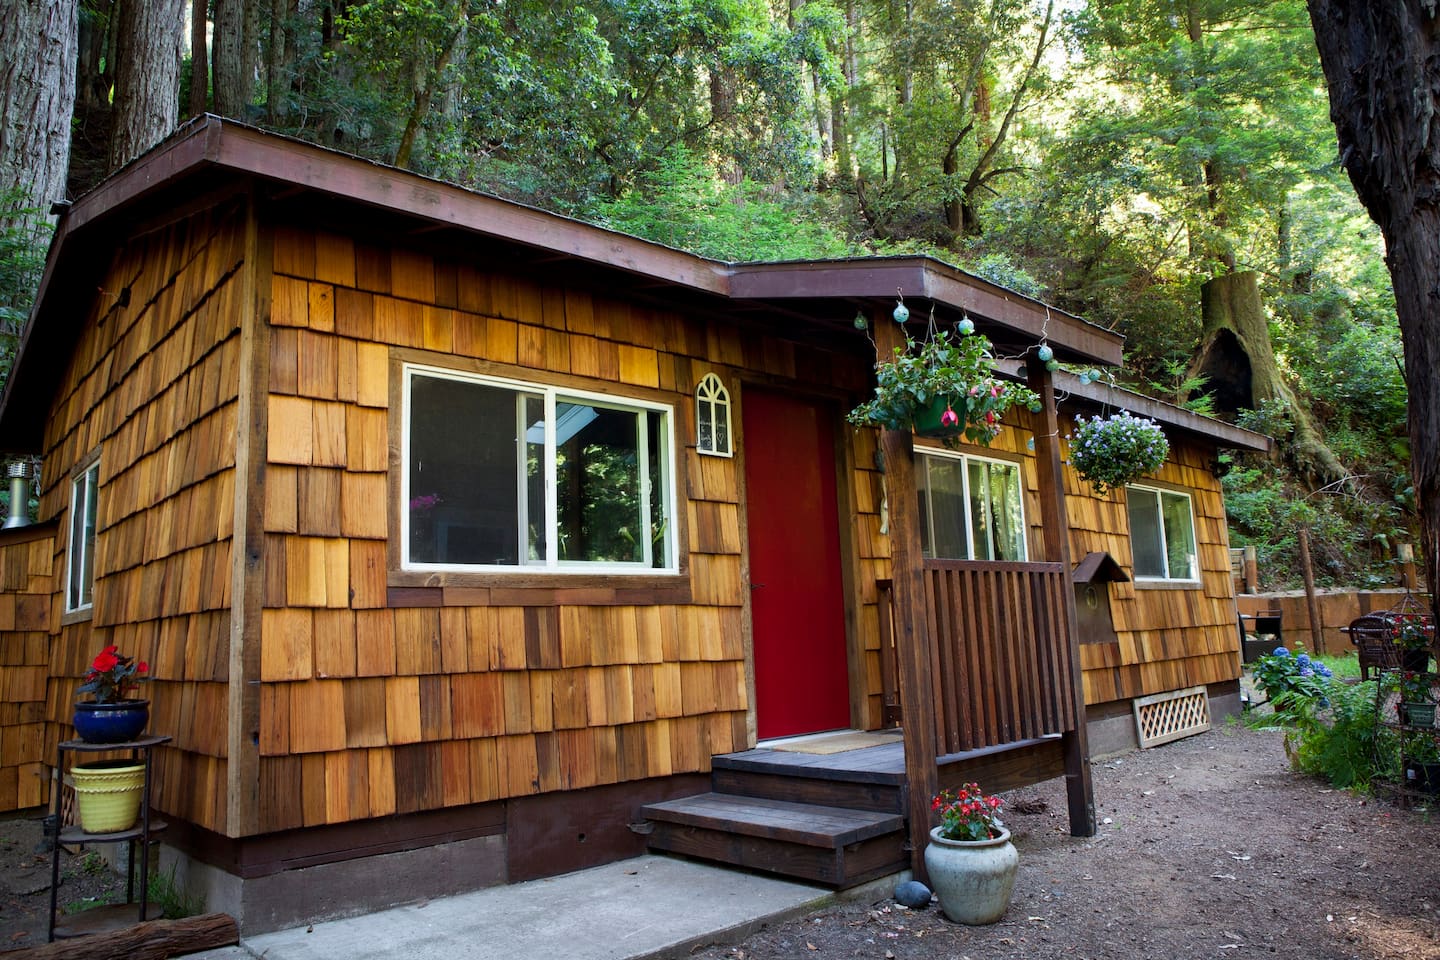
470	544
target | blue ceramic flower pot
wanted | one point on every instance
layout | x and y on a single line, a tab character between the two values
117	722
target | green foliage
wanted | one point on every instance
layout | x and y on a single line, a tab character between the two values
22	257
1280	673
684	204
172	900
1331	731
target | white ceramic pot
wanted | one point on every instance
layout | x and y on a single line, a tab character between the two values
973	878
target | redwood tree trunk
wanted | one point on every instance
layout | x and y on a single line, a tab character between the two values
236	55
147	76
1382	63
199	59
37	99
1231	302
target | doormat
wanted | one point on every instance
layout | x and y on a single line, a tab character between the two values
835	742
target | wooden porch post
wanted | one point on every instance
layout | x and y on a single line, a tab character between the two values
912	633
1055	527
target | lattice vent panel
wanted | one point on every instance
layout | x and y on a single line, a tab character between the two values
1169	716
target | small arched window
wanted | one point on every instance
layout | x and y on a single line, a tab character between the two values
712	418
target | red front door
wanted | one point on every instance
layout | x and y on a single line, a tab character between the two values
797	605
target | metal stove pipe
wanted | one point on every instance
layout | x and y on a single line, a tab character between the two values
19	473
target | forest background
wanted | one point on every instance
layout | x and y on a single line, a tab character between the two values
1164	168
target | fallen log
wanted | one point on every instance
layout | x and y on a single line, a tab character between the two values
151	940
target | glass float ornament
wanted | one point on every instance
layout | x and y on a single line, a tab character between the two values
901	313
1045	354
860	322
966	326
1035	407
1052	364
1085	376
1094	375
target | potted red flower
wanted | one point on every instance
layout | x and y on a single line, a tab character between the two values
970	859
112	716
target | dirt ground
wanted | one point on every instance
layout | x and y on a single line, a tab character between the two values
1208	847
85	881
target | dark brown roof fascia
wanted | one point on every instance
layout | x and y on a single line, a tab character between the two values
920	278
1117	398
250	151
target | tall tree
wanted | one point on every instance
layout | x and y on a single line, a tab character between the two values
930	95
1215	106
147	76
236	58
1382	64
37	98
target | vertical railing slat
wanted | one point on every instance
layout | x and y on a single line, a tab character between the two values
1000	670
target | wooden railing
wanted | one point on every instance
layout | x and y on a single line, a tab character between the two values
1000	663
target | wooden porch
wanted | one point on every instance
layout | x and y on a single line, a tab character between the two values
1003	699
837	819
982	660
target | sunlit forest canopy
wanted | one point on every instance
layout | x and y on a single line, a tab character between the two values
1167	169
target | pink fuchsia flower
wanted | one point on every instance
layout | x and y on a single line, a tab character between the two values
949	417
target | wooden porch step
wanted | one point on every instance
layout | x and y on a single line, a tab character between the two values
831	845
796	787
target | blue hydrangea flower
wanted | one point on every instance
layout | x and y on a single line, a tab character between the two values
1302	658
1306	672
1324	671
1281	652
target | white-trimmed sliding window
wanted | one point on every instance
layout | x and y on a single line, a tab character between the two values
80	558
1162	534
971	508
505	475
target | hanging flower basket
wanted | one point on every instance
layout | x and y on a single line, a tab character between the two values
1109	452
942	388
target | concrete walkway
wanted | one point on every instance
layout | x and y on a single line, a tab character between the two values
646	907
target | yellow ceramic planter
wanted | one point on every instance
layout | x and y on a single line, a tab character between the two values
107	794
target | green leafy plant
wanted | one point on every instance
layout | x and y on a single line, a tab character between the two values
968	814
171	898
956	371
1280	672
1112	451
1334	734
1415	687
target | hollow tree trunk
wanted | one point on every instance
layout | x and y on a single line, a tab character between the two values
1233	317
1382	63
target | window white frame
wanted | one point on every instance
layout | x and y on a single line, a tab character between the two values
923	456
1192	554
80	557
551	562
712	408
